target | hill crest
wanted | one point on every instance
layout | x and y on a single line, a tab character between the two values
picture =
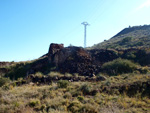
136	36
134	28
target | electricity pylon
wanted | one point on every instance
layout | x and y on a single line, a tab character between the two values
85	24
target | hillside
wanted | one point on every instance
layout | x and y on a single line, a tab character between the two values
77	80
136	36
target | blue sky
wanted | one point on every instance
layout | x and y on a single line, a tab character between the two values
27	27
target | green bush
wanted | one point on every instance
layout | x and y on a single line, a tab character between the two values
119	66
18	71
86	89
80	98
126	40
75	106
34	103
63	83
3	81
130	56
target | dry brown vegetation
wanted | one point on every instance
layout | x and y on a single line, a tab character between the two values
85	97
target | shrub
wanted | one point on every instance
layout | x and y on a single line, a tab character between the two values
88	108
43	106
119	66
126	40
34	103
130	55
55	74
76	93
86	89
75	106
39	74
144	70
68	95
63	83
80	98
18	71
3	81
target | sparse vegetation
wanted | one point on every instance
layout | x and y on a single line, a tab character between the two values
137	36
122	94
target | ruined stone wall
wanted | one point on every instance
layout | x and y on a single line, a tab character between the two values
73	60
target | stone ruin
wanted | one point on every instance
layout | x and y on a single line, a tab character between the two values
78	60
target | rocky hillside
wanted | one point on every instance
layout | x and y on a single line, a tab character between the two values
136	36
75	60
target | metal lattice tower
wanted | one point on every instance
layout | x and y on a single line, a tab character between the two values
85	24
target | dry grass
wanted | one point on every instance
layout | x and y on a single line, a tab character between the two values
53	99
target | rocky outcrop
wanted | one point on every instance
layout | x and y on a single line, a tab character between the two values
78	60
4	64
53	49
100	56
3	67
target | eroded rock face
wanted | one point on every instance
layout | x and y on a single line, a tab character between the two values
53	49
78	60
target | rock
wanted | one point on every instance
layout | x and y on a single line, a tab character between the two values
101	78
53	49
78	60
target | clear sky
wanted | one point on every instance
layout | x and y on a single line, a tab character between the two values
27	27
